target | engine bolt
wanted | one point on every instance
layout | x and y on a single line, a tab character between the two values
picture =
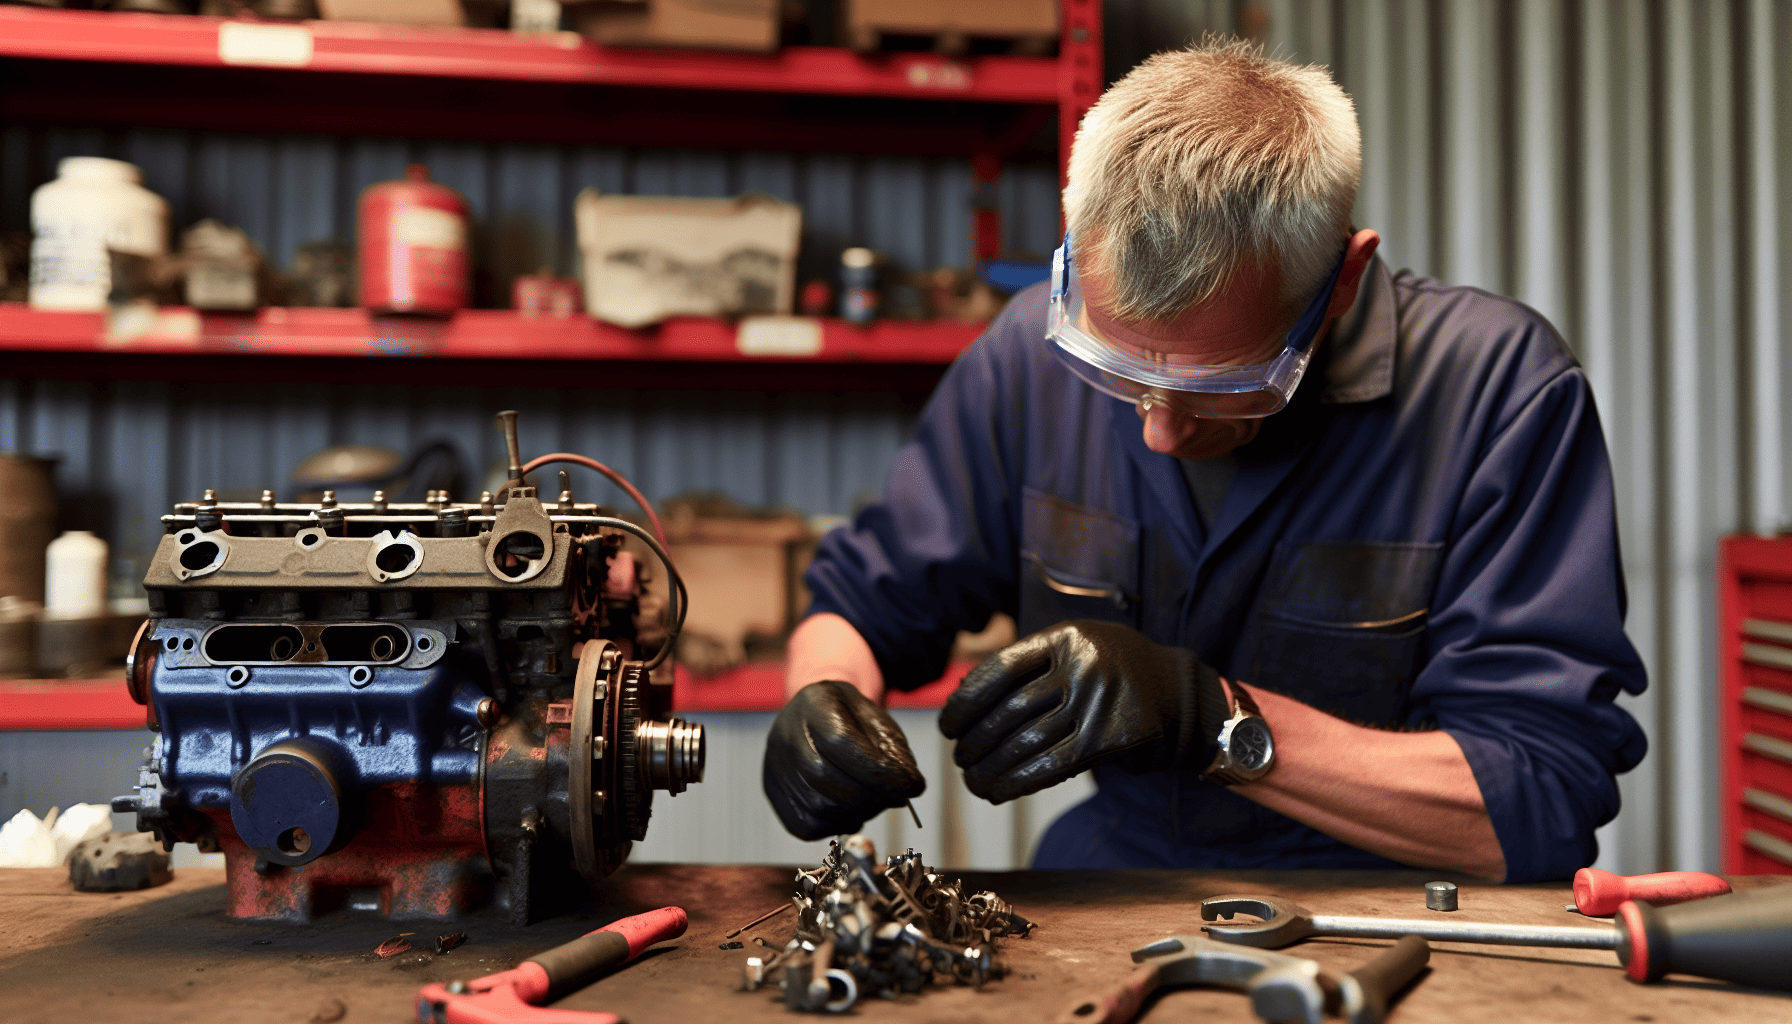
487	711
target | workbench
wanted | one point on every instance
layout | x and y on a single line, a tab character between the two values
170	954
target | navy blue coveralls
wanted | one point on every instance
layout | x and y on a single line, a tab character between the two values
1423	537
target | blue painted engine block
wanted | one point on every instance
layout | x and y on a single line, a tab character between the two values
406	708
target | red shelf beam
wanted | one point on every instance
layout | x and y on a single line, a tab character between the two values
352	47
476	334
67	704
348	345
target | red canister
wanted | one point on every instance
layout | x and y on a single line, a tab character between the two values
413	246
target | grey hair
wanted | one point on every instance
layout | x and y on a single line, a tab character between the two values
1204	160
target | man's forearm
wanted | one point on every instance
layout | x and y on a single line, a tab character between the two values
1409	796
826	646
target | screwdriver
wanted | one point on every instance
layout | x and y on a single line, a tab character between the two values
1740	937
1598	893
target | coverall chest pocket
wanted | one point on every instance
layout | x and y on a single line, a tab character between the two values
1076	563
1341	626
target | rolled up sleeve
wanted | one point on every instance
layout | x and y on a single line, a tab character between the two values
1527	640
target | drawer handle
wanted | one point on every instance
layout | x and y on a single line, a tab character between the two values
1770	804
1767	629
1767	656
1767	700
1768	746
1772	847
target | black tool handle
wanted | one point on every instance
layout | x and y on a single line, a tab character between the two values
573	965
1742	937
1387	974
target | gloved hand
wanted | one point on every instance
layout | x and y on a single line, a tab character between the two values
833	759
1077	695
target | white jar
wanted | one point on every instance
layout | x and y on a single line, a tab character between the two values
75	581
94	204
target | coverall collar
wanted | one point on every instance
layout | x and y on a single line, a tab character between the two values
1361	368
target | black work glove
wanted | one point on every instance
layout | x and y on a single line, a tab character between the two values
1077	695
834	759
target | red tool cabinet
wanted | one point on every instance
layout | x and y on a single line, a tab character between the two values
1755	638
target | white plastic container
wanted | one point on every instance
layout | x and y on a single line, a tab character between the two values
93	205
75	583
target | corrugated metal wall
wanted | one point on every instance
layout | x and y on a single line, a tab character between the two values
1618	165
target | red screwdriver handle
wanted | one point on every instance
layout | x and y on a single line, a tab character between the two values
577	963
1599	892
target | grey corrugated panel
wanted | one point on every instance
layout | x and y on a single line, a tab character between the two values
1618	167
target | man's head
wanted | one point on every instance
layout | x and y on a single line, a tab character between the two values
1208	204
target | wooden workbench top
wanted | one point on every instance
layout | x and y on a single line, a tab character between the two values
170	954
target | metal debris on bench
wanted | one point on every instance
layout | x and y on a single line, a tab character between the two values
883	930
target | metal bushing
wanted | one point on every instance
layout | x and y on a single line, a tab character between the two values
1440	895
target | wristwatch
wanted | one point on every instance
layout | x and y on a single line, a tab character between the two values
1247	749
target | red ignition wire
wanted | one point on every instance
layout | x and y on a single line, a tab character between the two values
616	478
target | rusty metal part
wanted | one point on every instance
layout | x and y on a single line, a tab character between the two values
444	943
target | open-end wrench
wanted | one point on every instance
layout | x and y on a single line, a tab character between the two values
1733	937
1285	923
1282	988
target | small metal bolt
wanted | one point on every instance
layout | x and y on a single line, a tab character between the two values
210	496
267	499
329	499
487	710
457	987
379	500
1440	896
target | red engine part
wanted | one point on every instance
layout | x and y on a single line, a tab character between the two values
413	246
420	852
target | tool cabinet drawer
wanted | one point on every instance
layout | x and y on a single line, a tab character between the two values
1755	723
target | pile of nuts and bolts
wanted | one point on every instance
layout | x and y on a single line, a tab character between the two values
862	928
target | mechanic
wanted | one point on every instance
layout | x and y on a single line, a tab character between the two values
1229	472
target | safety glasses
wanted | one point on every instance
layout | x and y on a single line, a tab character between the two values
1211	392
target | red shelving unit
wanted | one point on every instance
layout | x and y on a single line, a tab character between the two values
64	67
356	48
1755	727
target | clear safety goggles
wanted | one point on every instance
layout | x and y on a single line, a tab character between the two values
1248	391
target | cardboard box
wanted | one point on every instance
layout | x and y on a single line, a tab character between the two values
647	257
742	571
863	21
394	12
702	24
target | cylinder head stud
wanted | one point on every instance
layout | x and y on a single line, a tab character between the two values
1440	896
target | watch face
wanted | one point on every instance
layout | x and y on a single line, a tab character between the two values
1250	745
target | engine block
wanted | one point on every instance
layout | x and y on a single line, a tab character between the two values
406	708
